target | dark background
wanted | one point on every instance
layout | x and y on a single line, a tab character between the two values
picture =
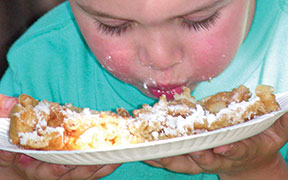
15	17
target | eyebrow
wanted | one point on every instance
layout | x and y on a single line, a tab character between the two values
94	12
207	7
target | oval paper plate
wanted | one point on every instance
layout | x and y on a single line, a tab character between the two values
155	149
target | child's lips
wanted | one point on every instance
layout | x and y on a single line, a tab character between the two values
168	91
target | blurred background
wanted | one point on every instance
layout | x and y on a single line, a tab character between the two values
15	17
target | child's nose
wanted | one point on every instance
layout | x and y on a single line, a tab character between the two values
161	53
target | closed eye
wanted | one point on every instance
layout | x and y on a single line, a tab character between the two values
118	30
113	30
205	24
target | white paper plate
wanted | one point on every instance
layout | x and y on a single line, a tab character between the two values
151	150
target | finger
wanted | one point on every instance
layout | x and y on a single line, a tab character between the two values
222	149
278	130
208	160
81	172
284	121
49	171
7	158
33	169
241	150
90	172
104	171
25	166
181	164
155	163
6	105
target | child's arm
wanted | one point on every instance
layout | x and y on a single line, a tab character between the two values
19	166
254	158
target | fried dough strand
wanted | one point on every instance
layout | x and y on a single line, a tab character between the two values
47	125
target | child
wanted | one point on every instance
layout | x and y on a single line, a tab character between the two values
108	54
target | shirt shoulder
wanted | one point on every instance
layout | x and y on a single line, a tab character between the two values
55	20
283	4
48	53
275	69
55	32
53	38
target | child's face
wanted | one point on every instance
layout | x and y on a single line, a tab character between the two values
160	45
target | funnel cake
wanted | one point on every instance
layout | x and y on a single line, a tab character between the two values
44	125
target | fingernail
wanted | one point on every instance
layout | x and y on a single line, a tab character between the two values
228	150
9	103
67	167
6	105
222	153
157	160
195	156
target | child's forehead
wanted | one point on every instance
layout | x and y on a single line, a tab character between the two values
148	7
151	5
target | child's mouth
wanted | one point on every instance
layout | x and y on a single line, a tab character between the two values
168	91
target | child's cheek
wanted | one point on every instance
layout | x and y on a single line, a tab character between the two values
116	63
219	46
210	69
210	61
114	58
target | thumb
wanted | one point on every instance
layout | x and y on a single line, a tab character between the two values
6	105
279	130
282	126
7	158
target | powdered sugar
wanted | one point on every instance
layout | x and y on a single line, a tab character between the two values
182	116
28	136
178	125
160	115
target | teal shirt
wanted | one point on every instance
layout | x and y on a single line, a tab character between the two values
52	61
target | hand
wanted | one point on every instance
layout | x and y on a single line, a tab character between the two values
239	160
20	166
33	169
6	105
